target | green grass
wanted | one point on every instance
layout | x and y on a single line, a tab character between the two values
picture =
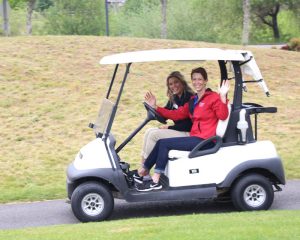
51	88
241	226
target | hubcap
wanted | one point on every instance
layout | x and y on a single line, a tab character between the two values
92	204
255	195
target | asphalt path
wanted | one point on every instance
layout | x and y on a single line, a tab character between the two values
56	212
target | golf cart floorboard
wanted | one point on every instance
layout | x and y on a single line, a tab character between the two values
172	193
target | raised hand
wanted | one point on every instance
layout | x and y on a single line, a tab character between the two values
150	99
223	90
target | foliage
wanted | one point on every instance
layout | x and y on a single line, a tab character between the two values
42	5
17	3
139	19
292	45
215	21
201	20
197	20
134	7
17	27
266	12
288	24
76	17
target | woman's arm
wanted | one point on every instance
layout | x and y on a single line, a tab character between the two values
220	106
178	114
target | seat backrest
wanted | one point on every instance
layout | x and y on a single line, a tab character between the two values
222	124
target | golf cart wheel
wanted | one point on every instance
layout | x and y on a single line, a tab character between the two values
252	192
92	202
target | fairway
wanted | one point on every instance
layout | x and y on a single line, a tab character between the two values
275	225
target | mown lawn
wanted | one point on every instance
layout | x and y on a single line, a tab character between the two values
51	88
275	225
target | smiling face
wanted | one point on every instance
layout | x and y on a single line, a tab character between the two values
199	82
175	86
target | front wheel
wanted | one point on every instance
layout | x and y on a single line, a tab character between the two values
92	202
252	192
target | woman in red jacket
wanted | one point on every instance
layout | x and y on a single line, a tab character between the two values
205	111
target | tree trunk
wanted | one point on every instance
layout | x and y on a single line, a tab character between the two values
246	22
275	23
164	19
6	28
30	6
275	28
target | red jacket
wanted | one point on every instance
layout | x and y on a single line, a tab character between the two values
207	112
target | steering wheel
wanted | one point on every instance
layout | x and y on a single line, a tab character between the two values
152	114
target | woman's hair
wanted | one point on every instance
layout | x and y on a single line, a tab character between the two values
200	70
180	77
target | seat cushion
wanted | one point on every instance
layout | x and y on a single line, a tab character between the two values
174	154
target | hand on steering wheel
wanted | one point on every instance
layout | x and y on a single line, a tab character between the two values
152	114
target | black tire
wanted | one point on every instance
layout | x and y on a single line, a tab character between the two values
252	192
91	202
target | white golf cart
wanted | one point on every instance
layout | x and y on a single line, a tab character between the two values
238	167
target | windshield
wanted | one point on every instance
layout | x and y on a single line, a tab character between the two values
103	117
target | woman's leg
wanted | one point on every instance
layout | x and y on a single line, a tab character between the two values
146	141
183	144
159	155
152	135
149	162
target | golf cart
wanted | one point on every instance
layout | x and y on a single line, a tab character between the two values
239	167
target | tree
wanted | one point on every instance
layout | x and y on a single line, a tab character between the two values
164	18
30	7
6	27
267	12
246	22
30	4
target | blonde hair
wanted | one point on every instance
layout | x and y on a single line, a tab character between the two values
180	77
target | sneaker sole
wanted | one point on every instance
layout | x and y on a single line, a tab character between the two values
149	189
137	180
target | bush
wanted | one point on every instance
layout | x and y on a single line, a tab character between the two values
76	17
292	45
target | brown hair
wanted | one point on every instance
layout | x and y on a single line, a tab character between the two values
180	77
200	70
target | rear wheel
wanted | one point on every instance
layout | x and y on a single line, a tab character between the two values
92	202
252	192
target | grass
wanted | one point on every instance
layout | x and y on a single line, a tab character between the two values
51	88
254	225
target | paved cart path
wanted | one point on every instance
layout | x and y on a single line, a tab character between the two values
55	212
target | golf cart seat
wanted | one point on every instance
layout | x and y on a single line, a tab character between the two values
198	150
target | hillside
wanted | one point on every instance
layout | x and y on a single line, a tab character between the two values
51	88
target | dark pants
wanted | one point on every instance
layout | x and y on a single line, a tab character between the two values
159	154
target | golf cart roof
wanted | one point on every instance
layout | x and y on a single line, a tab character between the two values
177	54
